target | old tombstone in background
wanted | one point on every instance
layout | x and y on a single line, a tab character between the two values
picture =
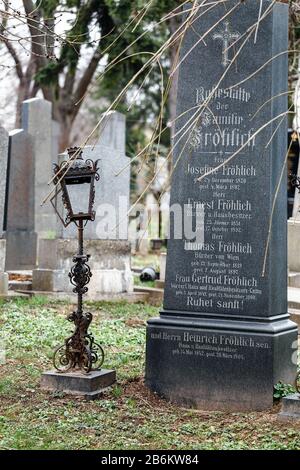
37	122
293	240
30	168
21	238
224	337
3	180
106	240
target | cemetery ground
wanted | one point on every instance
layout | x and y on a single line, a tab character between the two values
128	416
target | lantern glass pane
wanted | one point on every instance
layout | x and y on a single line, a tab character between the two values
79	195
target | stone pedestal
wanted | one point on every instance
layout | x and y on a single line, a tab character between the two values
3	196
290	407
3	283
293	244
90	386
109	263
3	275
162	266
221	364
21	250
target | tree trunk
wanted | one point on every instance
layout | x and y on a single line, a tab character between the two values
63	113
65	134
23	94
174	24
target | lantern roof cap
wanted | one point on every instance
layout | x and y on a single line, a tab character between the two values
72	151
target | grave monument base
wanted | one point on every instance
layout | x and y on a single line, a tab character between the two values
21	249
3	275
90	386
109	262
219	363
293	245
290	407
3	284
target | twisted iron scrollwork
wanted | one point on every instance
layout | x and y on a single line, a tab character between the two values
80	350
295	181
80	274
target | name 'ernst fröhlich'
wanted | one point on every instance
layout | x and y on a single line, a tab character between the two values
222	205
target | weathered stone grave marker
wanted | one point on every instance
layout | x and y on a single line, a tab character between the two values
106	240
21	238
37	121
3	179
224	337
30	168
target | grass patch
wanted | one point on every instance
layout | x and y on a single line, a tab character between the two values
128	416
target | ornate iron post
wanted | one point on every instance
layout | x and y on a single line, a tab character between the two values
80	351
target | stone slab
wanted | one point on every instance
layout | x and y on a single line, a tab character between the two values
162	266
290	407
20	207
21	250
294	280
293	245
20	285
2	254
295	317
109	263
14	295
3	176
90	386
104	281
133	297
294	298
20	219
155	296
218	364
3	283
37	121
159	284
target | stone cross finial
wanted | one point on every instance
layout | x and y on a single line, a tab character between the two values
227	37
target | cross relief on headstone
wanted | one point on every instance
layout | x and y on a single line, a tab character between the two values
228	38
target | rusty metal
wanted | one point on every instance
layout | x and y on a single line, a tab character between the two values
78	170
295	181
79	351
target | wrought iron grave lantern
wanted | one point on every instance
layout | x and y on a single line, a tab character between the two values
75	181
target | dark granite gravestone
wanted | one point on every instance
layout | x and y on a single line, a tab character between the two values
224	337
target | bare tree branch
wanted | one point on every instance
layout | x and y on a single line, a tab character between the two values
86	78
14	56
